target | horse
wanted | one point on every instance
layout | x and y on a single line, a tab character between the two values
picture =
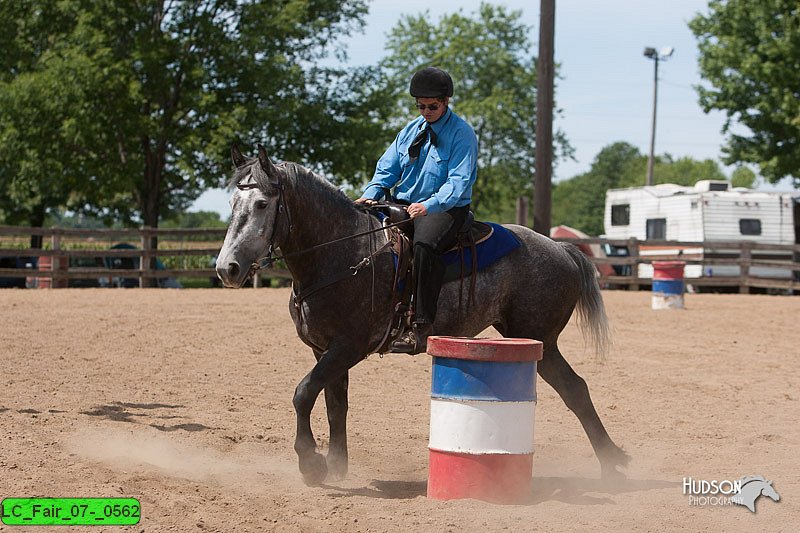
341	302
752	487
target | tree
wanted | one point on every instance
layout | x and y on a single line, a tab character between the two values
579	202
495	91
127	110
748	53
743	177
681	171
195	219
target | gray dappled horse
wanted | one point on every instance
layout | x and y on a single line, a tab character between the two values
530	293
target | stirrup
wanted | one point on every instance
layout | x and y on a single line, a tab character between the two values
405	343
413	341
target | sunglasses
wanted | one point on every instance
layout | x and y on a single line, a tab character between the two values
432	107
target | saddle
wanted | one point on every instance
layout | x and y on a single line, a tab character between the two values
469	235
473	231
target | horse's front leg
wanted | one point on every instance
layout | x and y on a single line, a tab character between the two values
329	372
336	402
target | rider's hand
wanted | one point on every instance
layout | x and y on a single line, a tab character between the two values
417	210
366	201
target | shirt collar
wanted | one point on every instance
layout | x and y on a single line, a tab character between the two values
439	125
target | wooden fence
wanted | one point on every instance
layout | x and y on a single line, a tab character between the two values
63	248
756	265
710	264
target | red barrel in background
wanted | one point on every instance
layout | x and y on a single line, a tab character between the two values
668	284
46	262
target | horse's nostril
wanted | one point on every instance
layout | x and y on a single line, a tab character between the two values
233	270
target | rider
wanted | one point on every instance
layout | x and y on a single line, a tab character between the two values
433	161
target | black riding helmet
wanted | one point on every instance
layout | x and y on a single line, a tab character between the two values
431	82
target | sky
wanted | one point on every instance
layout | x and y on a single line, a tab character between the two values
605	85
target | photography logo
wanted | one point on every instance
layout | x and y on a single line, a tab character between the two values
744	491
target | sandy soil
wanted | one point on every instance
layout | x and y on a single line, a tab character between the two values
182	399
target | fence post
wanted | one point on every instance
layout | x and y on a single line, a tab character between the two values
522	211
633	252
744	266
56	281
144	260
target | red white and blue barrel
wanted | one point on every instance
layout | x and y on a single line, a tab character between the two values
668	286
483	402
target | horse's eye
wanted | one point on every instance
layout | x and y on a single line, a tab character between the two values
261	204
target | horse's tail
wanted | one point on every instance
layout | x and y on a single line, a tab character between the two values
593	321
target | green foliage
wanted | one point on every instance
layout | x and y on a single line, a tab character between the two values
187	261
195	219
494	75
682	171
59	219
127	110
579	202
748	53
743	177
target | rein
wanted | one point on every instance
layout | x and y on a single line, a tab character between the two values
298	297
269	259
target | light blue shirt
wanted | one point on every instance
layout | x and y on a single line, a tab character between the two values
442	177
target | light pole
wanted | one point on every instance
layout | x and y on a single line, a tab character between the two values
661	55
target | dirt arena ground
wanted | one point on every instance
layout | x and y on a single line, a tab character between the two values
182	399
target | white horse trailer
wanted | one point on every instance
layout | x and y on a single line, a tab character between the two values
710	211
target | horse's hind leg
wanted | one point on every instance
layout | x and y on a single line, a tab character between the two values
555	370
336	403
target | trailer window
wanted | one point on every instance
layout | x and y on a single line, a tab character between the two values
750	226
620	215
657	228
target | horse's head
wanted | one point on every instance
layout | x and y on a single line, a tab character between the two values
769	491
259	220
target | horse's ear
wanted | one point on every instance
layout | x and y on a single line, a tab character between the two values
266	163
237	157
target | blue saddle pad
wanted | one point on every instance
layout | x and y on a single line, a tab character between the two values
499	244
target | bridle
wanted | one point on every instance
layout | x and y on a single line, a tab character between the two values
267	260
299	296
282	207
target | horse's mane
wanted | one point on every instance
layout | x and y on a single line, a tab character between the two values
748	479
318	189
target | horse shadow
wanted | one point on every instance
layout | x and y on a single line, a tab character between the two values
571	490
135	413
383	490
590	491
139	413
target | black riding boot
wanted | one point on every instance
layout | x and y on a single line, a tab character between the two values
428	277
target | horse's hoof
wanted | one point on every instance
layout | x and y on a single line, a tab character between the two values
612	474
337	464
614	458
314	470
337	470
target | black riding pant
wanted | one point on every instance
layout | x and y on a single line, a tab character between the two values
434	234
